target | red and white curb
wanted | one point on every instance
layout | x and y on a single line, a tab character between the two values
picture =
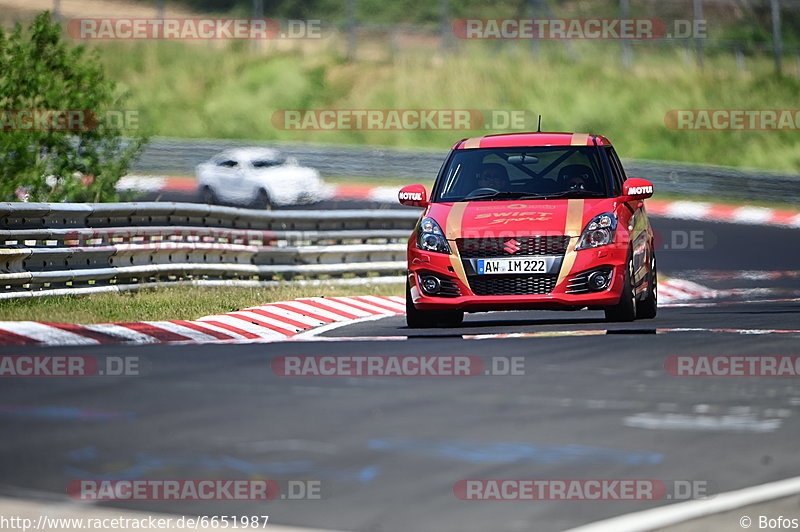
156	183
693	210
365	193
273	322
298	319
677	290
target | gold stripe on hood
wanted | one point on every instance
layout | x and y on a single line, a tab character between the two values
452	231
572	228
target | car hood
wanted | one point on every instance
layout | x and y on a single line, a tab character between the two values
499	219
287	170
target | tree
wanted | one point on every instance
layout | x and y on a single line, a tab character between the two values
60	136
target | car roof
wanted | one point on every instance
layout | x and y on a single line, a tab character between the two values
249	154
514	140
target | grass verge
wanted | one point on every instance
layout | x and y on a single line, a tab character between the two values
185	303
233	91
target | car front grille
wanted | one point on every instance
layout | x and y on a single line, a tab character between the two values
479	248
512	285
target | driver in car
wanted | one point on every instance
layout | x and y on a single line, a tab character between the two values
576	177
494	176
577	183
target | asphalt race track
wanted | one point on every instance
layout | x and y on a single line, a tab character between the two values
388	450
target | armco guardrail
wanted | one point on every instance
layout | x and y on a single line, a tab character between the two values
180	156
57	248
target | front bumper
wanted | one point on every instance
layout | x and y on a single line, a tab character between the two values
447	267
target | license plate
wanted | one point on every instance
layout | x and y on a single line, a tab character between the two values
492	266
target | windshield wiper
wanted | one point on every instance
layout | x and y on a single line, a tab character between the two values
506	195
578	193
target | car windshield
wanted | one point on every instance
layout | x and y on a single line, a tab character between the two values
490	174
266	163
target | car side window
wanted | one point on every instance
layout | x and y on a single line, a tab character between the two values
616	168
228	163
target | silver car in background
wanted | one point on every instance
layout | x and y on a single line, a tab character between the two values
257	177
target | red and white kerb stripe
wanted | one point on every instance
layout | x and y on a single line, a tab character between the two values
275	321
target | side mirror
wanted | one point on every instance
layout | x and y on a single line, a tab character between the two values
413	196
637	188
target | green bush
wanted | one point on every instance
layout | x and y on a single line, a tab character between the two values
48	161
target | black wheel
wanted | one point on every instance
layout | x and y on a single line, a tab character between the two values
625	310
208	196
648	308
426	319
263	201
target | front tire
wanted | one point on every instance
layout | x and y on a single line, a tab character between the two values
625	310
426	319
648	308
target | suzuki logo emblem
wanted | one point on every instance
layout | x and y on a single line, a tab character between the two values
511	246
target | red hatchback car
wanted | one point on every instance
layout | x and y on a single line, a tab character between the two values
530	221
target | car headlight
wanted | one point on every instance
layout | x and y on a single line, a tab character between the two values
430	237
601	231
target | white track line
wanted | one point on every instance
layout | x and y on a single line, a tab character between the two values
672	514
